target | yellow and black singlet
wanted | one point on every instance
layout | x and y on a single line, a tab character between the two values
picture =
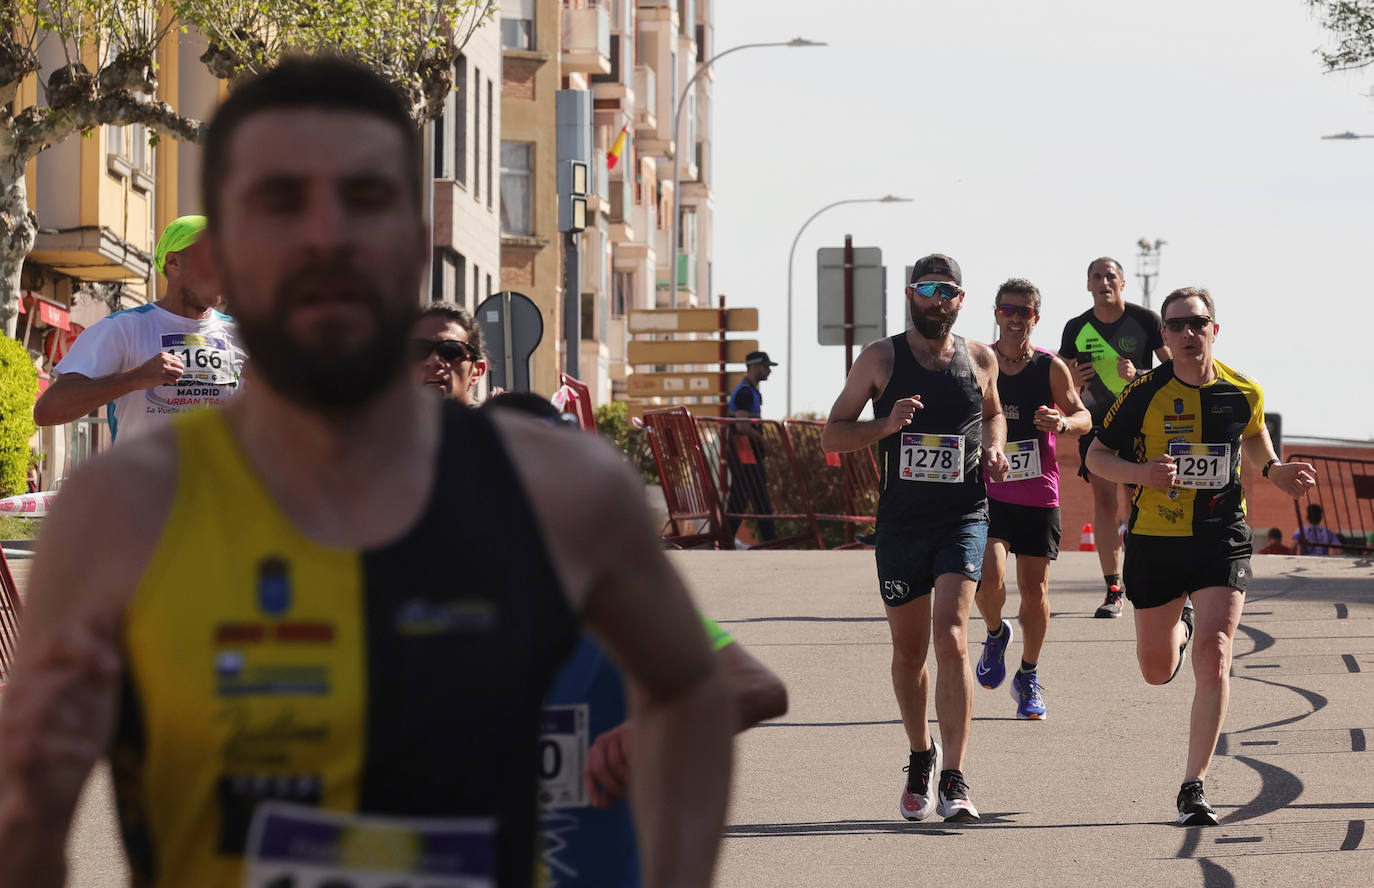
354	690
1201	427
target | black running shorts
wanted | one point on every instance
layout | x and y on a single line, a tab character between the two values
1027	530
1160	569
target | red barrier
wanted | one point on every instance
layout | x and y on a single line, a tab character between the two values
578	402
756	476
9	621
1345	491
843	486
693	510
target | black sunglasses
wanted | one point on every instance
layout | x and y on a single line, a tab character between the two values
1196	323
449	350
1011	311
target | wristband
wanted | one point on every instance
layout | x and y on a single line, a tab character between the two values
1269	465
1063	425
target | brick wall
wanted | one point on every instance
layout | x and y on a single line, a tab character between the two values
517	78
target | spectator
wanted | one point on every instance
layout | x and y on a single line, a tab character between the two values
1313	538
1276	546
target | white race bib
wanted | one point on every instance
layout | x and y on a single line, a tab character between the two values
937	458
209	360
293	846
1201	466
1024	457
563	744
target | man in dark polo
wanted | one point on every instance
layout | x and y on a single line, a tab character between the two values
744	447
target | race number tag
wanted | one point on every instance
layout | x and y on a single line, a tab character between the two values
1201	466
563	743
1024	457
293	846
209	360
932	458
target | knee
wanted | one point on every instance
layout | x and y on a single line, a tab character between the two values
951	643
1157	663
1212	659
907	660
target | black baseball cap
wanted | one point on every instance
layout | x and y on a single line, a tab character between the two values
759	358
936	263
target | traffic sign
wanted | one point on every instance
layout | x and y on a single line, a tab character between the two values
700	351
870	295
654	385
511	327
693	320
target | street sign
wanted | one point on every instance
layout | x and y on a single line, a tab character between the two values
511	327
870	295
693	320
700	351
654	385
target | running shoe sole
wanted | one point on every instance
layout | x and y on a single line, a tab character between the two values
958	811
1197	818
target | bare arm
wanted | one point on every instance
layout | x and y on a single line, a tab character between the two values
1067	415
994	422
844	432
1102	461
72	395
1294	479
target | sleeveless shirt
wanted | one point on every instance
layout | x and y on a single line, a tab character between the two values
1022	394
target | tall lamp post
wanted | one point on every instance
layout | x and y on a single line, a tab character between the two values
792	255
1147	265
677	149
1349	135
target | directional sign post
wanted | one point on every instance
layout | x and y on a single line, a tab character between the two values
870	295
693	320
512	327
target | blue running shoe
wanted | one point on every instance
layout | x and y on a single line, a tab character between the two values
991	667
1026	691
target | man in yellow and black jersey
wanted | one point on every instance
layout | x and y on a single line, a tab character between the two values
1177	433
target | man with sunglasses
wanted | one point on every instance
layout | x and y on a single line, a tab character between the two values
1040	403
1177	434
1106	347
446	345
938	426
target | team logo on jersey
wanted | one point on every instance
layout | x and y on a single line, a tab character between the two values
419	617
1178	405
1013	411
274	586
896	590
1127	343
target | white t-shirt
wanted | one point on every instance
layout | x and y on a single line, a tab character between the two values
126	339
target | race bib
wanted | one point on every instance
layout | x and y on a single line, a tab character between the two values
1201	466
1024	457
563	744
209	360
292	846
937	458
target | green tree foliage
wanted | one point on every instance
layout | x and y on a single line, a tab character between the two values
18	390
1351	24
613	422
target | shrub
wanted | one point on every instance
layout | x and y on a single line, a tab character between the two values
18	390
613	422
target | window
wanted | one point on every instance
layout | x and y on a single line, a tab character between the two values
460	121
489	291
446	284
517	24
622	289
517	198
589	316
491	145
440	124
477	134
476	280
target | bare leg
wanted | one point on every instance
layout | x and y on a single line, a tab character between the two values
992	592
1106	514
1216	615
1158	635
1033	582
910	627
954	677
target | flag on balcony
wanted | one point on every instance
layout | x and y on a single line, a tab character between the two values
613	156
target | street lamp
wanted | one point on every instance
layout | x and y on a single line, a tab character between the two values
677	149
1147	265
792	254
1347	135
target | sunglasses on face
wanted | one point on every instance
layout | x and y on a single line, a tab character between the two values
1196	323
941	289
1016	311
450	350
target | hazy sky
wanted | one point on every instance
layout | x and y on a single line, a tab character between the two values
1039	134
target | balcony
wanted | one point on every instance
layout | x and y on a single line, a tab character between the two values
587	37
686	276
646	97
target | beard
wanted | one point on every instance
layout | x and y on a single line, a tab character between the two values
934	328
321	374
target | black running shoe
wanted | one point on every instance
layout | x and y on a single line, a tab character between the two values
917	800
1111	607
1193	809
955	805
1187	620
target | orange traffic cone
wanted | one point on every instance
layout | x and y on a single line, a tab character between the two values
1087	543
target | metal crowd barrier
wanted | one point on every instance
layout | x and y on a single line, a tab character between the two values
693	512
844	486
9	621
756	476
1345	491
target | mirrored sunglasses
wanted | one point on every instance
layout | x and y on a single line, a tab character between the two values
449	350
1016	311
1196	323
941	289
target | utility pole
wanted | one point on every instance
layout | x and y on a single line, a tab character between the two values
1147	266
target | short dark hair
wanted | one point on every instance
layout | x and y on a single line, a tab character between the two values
1019	287
1314	513
1189	293
460	316
1275	534
320	81
1119	270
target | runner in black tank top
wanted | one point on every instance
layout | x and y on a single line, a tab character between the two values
936	418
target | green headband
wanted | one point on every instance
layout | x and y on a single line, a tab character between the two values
177	236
